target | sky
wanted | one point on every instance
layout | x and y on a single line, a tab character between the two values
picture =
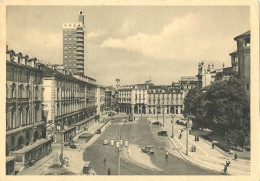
132	43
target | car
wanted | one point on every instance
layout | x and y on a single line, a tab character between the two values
148	149
111	114
130	118
73	146
87	167
156	123
162	133
98	131
105	142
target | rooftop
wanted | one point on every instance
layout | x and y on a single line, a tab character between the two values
243	34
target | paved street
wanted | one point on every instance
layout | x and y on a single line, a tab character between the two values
204	155
139	133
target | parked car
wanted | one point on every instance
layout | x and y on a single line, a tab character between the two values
73	146
69	143
148	149
130	118
87	167
156	123
183	122
98	131
162	133
111	114
105	142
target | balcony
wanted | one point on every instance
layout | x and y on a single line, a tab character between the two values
80	53
79	66
80	49
17	99
80	62
80	39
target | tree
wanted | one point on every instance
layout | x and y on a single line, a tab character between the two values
222	106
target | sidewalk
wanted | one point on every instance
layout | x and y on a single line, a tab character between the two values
204	156
75	156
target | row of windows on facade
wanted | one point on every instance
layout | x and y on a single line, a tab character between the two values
65	109
22	92
69	52
72	25
22	76
21	117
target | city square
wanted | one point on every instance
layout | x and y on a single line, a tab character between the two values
103	92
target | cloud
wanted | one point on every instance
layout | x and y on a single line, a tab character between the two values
98	33
182	39
126	27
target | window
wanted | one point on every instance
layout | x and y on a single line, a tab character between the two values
12	140
247	42
12	92
27	77
27	135
27	115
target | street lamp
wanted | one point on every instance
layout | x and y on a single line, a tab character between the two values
188	125
157	110
61	142
119	142
173	115
163	115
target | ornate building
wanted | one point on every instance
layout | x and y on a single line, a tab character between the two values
151	99
70	102
25	124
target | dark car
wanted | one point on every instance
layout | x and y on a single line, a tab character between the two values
156	123
73	146
162	133
111	114
148	149
98	131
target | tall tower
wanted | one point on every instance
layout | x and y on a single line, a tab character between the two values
73	45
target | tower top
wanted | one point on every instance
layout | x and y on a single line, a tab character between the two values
81	16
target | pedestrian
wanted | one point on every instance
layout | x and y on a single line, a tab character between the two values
198	138
105	159
227	163
166	155
225	170
195	138
180	136
213	144
79	147
108	171
235	156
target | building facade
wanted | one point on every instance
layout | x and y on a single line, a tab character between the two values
242	57
124	98
100	99
69	102
151	99
73	45
25	124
